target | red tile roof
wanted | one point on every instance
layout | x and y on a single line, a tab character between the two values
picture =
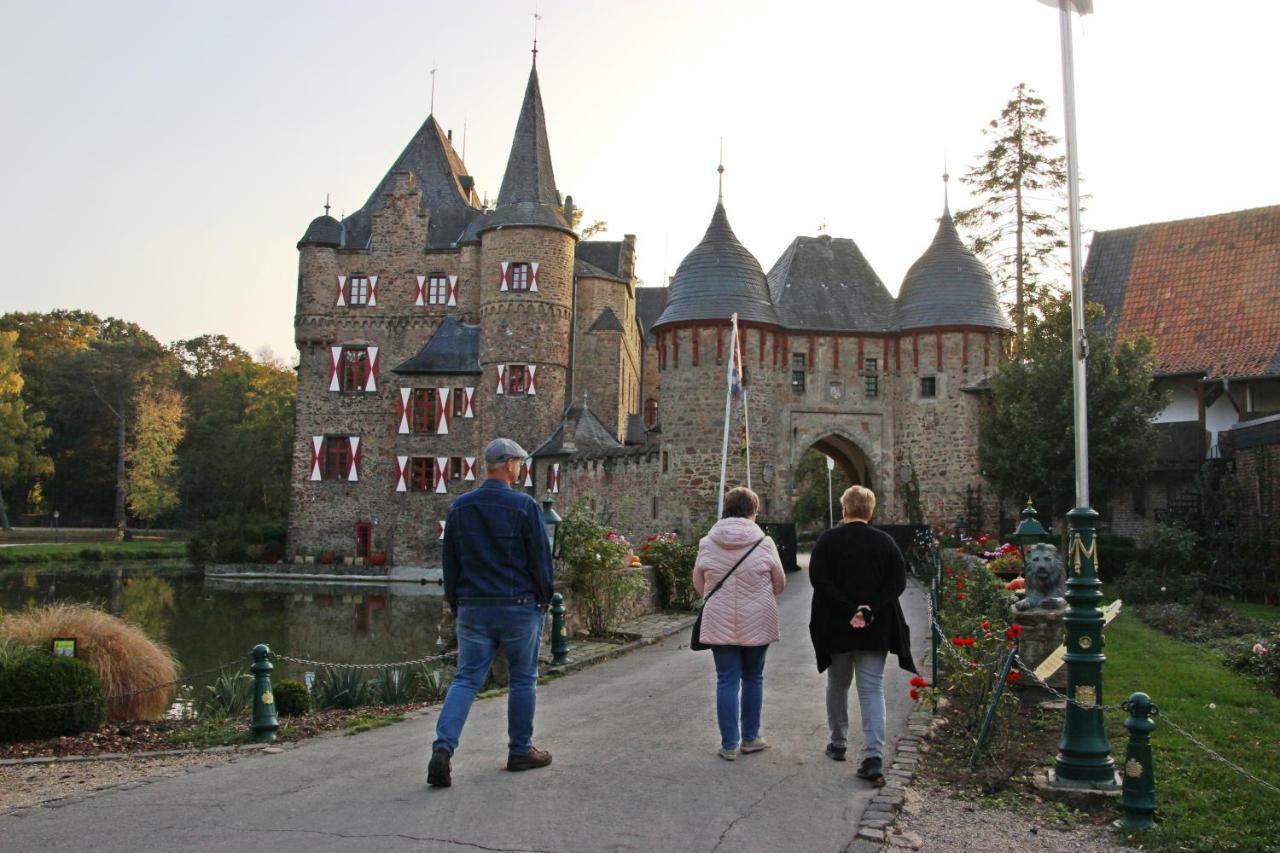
1206	290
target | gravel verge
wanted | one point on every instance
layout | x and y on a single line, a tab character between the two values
27	785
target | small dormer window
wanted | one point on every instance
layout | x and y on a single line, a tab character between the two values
520	276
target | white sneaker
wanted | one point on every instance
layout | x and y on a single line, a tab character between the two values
728	754
757	745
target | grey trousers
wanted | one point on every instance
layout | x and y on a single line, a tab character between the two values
869	667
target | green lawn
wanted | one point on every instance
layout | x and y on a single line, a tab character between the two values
1205	805
83	551
1261	612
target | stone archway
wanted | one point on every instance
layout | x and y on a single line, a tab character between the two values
848	456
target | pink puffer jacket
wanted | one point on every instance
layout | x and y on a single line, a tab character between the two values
745	610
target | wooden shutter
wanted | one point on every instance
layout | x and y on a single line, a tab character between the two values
317	451
441	474
533	276
442	411
440	529
502	378
469	468
402	473
402	411
353	473
373	291
342	292
371	382
528	475
335	365
420	298
453	291
468	402
506	276
531	379
555	478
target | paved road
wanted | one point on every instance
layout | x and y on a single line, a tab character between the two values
635	770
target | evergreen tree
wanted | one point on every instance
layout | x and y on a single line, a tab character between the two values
22	431
1027	435
1018	227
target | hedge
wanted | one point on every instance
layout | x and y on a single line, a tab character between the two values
36	679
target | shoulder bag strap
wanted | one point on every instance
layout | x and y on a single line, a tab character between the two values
734	569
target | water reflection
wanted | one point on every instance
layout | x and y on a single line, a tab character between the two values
210	622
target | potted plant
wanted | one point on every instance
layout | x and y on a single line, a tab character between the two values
378	558
326	558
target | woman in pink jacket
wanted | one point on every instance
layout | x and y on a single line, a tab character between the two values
741	619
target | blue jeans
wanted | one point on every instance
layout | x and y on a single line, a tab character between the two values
518	629
739	668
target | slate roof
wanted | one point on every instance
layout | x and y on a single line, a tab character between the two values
825	284
323	231
443	180
454	348
528	195
581	431
637	433
717	278
604	254
650	303
606	322
948	286
1207	291
584	269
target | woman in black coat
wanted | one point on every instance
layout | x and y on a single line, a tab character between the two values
858	574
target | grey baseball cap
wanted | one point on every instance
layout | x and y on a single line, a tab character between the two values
501	449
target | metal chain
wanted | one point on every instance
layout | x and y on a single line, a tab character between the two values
114	696
391	665
1217	757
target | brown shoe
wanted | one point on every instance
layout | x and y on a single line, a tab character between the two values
440	770
533	760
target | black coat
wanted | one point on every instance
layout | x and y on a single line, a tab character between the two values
854	565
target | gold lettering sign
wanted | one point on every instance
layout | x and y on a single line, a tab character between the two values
268	698
1133	768
1086	695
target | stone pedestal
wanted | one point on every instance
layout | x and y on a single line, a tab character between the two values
1043	631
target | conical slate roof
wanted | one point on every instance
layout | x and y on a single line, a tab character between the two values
323	231
716	279
528	195
826	284
948	286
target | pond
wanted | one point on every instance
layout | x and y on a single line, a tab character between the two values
211	622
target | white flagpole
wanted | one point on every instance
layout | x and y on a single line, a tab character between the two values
1079	348
728	400
746	425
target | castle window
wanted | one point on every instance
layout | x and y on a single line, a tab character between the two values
655	507
438	289
871	371
421	479
358	290
455	467
799	363
651	413
337	457
354	370
423	413
520	277
459	402
928	386
665	466
517	379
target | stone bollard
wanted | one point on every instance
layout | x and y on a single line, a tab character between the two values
265	722
559	633
1138	793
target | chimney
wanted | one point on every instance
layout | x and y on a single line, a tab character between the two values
449	135
627	257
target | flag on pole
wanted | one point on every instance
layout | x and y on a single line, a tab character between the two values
1082	7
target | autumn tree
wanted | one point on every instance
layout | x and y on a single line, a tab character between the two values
1027	433
812	508
1017	226
151	481
22	432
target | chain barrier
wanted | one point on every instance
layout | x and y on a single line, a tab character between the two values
125	695
1218	757
392	665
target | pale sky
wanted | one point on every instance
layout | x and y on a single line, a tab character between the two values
159	161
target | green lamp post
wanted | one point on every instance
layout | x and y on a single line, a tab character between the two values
1029	531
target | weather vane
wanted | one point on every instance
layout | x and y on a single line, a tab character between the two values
536	18
433	89
720	170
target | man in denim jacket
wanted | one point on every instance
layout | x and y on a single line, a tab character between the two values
497	580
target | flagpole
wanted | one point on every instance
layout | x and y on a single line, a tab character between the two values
1079	347
746	419
728	399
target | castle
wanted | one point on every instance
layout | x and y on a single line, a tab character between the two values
428	324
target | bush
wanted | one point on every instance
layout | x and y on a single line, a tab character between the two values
292	698
1260	658
672	562
92	555
970	593
1167	567
236	539
29	677
124	657
596	559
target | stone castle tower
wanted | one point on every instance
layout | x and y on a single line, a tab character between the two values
428	324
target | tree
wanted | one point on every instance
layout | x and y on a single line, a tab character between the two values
1017	227
596	227
203	355
811	509
151	485
22	432
1027	434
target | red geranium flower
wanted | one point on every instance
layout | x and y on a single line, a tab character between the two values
1013	676
1014	632
919	682
915	694
959	596
986	624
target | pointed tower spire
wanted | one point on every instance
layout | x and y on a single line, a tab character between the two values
946	195
326	204
720	171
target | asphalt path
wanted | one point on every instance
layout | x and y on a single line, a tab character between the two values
635	769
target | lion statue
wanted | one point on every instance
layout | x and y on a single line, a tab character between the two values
1046	577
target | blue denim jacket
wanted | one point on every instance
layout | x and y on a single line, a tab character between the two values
496	549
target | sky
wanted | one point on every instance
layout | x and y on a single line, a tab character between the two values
160	160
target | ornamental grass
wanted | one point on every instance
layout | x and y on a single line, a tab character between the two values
125	658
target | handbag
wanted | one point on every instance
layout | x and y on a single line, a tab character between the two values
695	640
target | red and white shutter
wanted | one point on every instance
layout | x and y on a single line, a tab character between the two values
443	410
555	478
468	402
440	529
506	276
421	298
371	384
442	474
335	365
531	374
354	474
533	276
342	291
373	291
317	449
402	411
402	473
502	379
453	291
528	475
469	468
